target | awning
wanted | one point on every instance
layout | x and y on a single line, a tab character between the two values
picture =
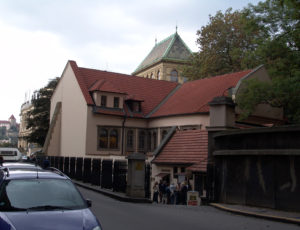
163	174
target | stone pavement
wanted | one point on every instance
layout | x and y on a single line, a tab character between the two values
266	213
271	214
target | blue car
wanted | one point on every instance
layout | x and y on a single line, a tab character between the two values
42	200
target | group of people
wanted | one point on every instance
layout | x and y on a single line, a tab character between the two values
166	193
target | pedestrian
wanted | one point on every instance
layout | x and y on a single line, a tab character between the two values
46	163
165	193
172	193
155	192
184	193
160	190
177	193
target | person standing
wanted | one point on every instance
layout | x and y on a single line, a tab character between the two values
155	192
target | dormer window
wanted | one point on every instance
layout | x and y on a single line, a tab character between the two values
116	102
103	101
134	106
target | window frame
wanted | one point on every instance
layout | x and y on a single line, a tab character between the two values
110	147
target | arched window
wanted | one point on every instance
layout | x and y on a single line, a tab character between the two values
129	139
174	75
103	138
113	139
141	139
149	141
158	75
154	140
152	76
164	134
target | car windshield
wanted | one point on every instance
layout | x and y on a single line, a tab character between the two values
39	194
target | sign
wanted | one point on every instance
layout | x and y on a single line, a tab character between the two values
193	198
139	166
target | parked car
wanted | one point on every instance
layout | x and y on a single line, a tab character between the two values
19	166
42	199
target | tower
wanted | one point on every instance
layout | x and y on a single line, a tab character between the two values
165	60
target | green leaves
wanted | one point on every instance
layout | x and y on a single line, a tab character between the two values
267	33
38	118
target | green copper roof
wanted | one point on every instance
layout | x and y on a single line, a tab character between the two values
171	48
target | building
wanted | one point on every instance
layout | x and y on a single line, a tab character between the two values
166	60
23	144
9	130
100	114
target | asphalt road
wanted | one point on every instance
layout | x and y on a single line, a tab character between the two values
114	214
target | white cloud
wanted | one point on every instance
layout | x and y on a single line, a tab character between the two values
38	37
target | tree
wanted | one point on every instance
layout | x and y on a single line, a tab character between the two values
267	33
39	117
223	45
280	53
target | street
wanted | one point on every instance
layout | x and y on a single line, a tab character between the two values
114	214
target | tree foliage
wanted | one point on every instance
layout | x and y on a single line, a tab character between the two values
267	33
38	118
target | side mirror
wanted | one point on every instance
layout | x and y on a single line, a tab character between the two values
88	202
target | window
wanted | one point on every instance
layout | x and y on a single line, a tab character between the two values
154	140
152	76
130	139
158	75
141	139
164	134
103	101
134	106
113	139
103	138
174	75
108	138
116	102
149	141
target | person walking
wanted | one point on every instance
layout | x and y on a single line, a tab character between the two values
172	193
155	192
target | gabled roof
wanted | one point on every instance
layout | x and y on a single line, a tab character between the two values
105	86
171	48
193	97
12	117
189	147
151	92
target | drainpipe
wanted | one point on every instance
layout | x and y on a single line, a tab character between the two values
123	129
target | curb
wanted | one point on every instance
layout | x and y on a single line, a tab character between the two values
264	216
113	195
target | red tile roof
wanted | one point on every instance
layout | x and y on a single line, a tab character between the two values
150	91
194	96
105	86
185	147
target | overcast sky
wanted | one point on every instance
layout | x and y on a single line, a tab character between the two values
38	37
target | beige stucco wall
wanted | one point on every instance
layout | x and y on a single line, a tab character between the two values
54	147
110	99
196	119
74	114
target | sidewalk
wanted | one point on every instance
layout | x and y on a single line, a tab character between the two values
116	195
266	213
